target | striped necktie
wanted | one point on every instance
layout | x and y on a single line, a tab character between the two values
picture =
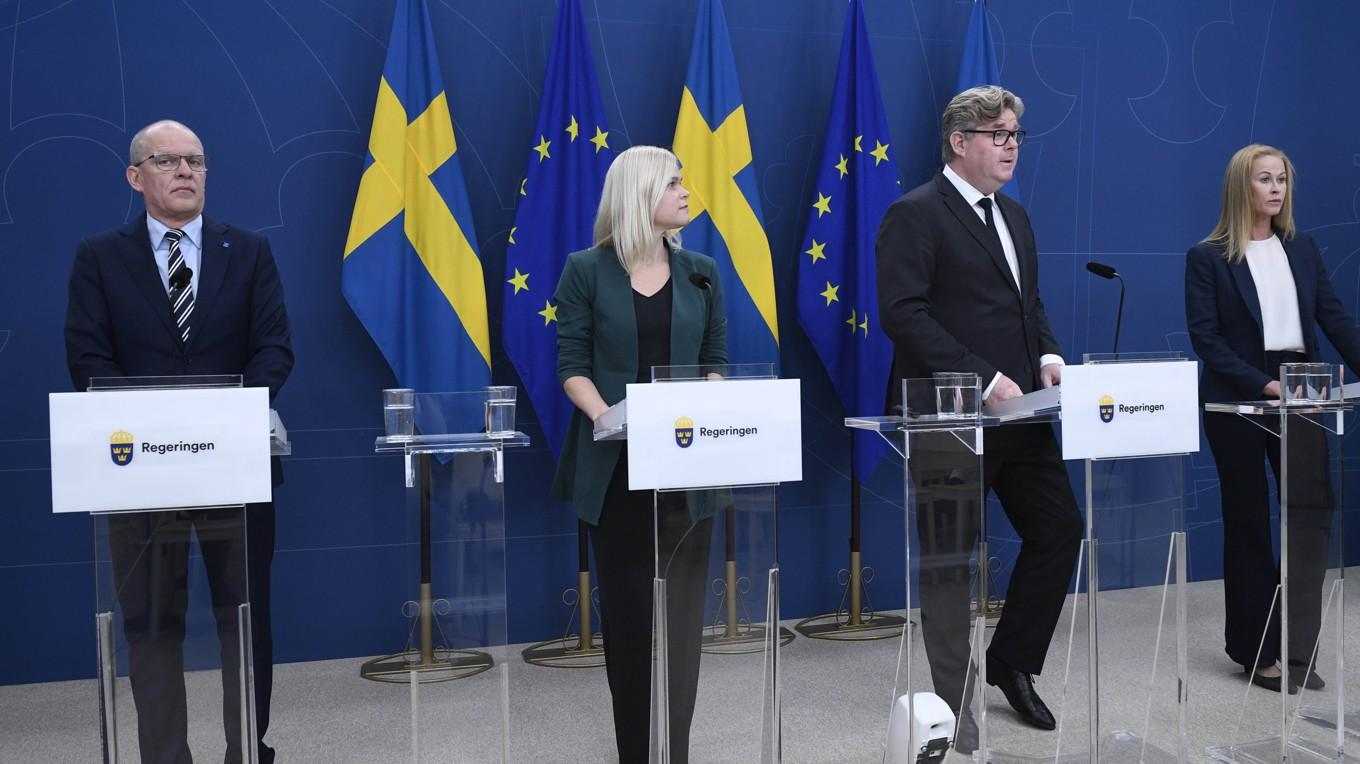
181	284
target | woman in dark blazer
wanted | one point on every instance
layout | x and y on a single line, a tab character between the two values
1254	291
633	301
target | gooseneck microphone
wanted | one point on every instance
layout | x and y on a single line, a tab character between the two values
180	278
700	280
1108	272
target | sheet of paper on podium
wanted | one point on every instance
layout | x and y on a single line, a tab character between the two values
1027	405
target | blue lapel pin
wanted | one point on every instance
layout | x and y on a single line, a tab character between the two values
226	244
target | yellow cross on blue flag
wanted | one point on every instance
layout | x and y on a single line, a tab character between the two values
714	149
556	215
412	273
837	292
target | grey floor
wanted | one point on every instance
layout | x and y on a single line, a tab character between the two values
835	697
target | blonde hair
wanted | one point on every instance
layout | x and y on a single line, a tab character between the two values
632	191
1235	214
973	107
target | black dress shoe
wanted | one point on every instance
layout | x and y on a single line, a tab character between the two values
1300	674
1018	687
1271	683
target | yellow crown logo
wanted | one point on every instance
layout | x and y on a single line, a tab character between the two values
122	436
1106	400
684	423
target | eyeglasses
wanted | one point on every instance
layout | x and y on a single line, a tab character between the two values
170	162
999	137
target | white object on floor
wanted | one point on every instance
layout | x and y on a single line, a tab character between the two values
926	737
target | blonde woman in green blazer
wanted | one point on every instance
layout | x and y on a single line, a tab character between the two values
633	301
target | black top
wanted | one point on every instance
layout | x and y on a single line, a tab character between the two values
653	330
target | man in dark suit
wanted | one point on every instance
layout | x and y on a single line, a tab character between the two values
174	293
958	291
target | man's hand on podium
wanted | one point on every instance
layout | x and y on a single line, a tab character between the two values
1003	390
1051	374
1272	389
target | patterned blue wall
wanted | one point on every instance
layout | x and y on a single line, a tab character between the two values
1133	109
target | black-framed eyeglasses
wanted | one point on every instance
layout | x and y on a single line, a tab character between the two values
170	162
999	137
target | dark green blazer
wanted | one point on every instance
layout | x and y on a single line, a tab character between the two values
597	338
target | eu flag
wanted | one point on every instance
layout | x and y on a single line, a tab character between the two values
979	66
412	273
837	292
556	214
714	149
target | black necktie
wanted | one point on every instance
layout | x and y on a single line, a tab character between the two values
986	205
181	284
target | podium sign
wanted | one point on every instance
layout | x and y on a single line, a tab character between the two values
159	449
1114	410
706	434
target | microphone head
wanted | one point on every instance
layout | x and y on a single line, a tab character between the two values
1102	270
181	278
700	280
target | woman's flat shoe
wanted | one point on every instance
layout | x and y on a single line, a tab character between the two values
1271	683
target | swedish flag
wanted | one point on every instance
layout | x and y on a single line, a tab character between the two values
837	289
978	66
412	273
556	214
714	149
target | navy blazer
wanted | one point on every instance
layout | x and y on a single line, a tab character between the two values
1223	313
119	322
946	297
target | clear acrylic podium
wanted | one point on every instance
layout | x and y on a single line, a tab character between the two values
1307	616
454	471
160	647
1132	558
715	595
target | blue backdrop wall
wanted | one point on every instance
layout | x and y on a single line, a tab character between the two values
1133	108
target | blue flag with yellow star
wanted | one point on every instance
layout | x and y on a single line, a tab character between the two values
714	149
979	66
837	287
411	271
556	215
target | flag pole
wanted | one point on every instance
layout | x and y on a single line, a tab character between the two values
856	620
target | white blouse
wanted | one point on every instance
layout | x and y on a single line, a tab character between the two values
1278	296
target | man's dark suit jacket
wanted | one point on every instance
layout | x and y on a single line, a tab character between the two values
946	297
1223	313
119	322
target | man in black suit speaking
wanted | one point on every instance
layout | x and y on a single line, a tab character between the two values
958	291
176	293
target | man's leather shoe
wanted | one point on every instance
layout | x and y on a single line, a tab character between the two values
1272	683
1018	687
1301	674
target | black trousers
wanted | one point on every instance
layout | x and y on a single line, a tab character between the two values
1023	465
625	565
1250	570
150	556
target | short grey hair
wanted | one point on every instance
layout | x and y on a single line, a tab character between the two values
137	149
974	107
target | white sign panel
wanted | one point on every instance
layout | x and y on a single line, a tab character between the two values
1130	409
158	449
714	433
